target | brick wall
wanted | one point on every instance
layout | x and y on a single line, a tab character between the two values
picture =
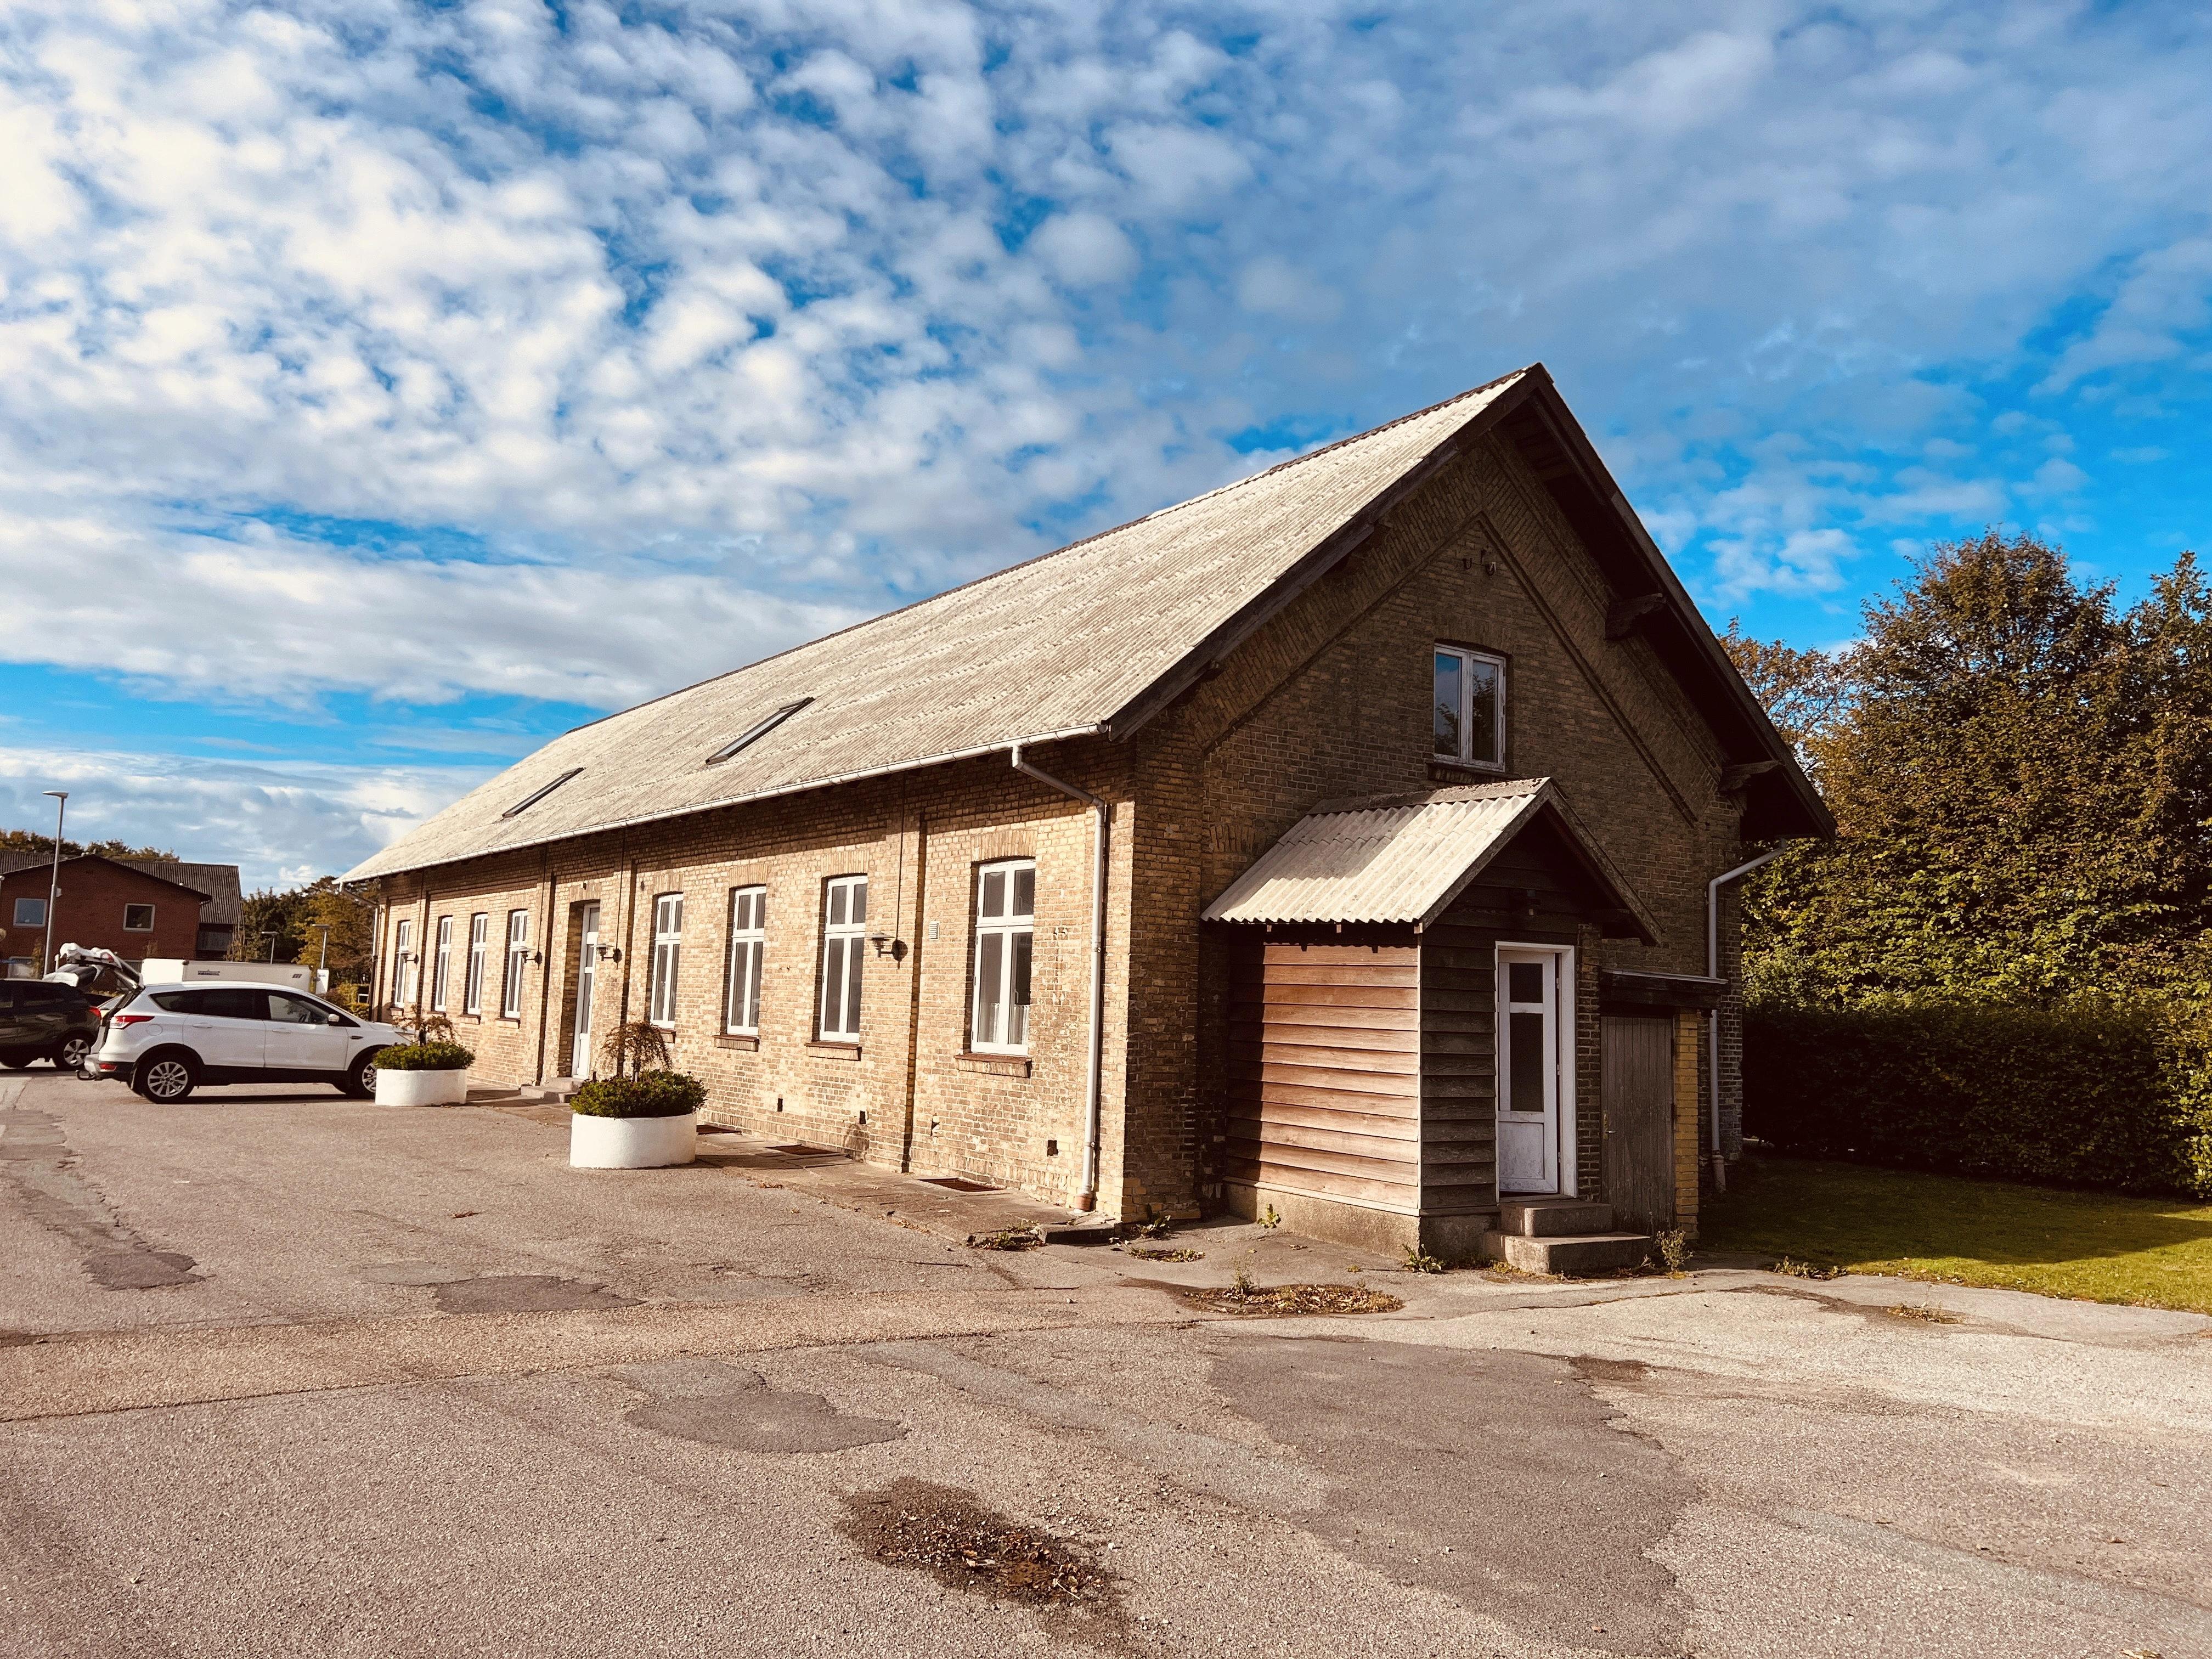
90	912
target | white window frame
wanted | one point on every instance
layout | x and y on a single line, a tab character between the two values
442	976
402	963
128	908
1464	714
667	958
36	907
748	945
1003	959
517	958
1567	1134
479	940
837	1018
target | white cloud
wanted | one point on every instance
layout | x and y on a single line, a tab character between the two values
1274	287
1084	250
272	820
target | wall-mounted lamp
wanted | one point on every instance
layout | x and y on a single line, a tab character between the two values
886	946
610	953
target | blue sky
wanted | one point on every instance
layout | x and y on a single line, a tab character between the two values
386	386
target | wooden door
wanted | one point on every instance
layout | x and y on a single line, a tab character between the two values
1639	1121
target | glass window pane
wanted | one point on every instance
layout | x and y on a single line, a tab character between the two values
760	906
1018	993
990	973
994	893
1524	982
1025	892
833	986
853	955
753	953
1482	713
1525	1040
1448	692
859	902
837	895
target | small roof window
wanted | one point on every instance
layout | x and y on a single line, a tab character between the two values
532	798
757	731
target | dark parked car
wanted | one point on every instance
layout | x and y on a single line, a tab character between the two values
40	1019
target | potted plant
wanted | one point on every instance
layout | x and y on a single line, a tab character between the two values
423	1074
646	1121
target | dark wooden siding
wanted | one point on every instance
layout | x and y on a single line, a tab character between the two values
1325	1065
1459	1009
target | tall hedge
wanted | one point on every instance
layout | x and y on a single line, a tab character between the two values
2105	1094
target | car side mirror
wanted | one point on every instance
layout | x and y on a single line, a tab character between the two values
333	1019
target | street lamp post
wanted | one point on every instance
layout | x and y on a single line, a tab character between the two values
272	939
53	881
322	960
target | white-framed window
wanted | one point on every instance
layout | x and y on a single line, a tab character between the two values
442	971
517	958
403	959
1005	926
472	990
748	940
137	918
844	941
1470	708
668	950
30	913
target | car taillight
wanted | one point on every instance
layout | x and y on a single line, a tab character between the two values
132	1019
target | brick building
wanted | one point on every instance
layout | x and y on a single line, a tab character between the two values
136	908
1338	841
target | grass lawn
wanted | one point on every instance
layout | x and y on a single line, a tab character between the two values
2096	1247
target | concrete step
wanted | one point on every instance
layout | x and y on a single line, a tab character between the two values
1584	1252
560	1088
1553	1218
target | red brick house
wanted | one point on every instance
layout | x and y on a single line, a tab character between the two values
136	908
1338	841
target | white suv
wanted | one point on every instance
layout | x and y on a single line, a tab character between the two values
168	1040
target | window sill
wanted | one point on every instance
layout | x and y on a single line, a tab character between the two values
993	1064
473	1019
1444	771
731	1040
835	1050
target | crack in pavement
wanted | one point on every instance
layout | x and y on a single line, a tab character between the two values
36	1161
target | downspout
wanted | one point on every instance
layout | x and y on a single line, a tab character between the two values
1088	1199
546	977
1713	1018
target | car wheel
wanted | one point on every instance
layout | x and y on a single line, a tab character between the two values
165	1079
360	1081
74	1048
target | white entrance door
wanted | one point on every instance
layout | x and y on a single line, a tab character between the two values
587	960
1528	1058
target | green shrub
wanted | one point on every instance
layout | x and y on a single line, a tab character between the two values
2094	1093
425	1057
648	1094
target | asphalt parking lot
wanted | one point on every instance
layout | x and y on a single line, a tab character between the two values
286	1373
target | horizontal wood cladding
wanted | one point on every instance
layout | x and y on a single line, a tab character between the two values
1324	1065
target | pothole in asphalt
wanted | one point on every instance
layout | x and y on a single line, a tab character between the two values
959	1540
525	1293
719	1404
141	1270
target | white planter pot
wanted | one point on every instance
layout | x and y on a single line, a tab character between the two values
422	1088
632	1143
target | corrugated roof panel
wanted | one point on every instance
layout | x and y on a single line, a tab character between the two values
1054	646
1387	859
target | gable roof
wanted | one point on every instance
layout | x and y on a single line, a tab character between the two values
11	863
1095	639
226	902
1406	858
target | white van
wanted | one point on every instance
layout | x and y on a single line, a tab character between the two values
168	970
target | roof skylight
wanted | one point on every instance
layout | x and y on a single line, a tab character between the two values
757	731
531	799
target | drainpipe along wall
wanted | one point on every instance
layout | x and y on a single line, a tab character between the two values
1713	1018
1101	821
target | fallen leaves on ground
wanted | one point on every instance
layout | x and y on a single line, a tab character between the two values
1289	1301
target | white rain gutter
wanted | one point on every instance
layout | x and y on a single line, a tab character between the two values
1088	1200
1713	1018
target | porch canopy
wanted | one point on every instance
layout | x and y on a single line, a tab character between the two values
1406	858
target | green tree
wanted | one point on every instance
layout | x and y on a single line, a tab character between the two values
284	915
351	918
2022	780
30	840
